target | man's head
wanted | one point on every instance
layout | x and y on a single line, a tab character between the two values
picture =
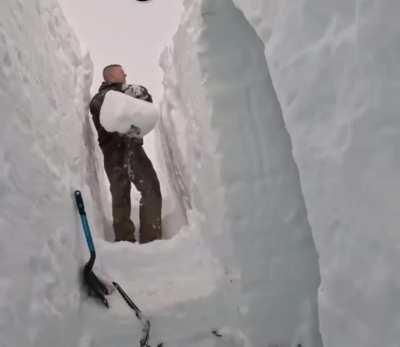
114	74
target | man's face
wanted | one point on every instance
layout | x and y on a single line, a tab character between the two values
118	75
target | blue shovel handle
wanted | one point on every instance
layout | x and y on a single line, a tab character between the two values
84	221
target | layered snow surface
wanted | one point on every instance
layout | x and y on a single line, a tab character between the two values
45	152
242	159
335	70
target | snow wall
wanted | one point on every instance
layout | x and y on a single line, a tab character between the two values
46	151
224	133
335	76
335	69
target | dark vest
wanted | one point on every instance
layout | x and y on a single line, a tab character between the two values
104	136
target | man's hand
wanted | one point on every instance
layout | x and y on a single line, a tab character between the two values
134	135
133	132
138	92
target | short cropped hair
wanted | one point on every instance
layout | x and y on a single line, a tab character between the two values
108	69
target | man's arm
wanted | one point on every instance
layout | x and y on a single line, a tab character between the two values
95	104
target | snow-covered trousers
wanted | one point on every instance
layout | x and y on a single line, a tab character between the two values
124	163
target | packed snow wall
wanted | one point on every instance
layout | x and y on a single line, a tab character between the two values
45	152
227	144
334	66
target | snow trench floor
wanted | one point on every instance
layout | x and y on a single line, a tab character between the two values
174	282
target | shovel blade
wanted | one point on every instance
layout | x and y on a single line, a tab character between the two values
95	286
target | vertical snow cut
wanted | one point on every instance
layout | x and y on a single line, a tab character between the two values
44	85
243	177
336	72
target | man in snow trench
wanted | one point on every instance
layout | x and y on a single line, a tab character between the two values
119	150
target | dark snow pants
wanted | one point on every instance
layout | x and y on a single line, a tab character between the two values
124	163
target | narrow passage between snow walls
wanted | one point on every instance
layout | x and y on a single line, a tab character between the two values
245	264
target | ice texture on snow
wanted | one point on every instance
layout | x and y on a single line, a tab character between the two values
335	68
232	154
44	81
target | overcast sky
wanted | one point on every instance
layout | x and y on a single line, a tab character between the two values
126	32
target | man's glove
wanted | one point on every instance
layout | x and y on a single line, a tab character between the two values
138	92
134	134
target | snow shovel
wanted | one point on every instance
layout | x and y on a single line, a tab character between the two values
139	315
95	286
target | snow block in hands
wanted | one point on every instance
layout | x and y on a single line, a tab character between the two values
120	111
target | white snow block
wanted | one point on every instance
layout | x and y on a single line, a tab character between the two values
120	111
